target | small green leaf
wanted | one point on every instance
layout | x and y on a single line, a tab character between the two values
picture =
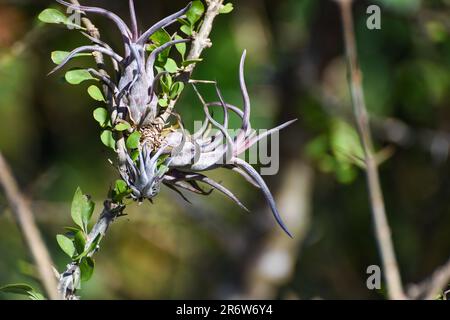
35	296
122	126
181	47
171	66
227	8
87	266
72	230
195	12
183	21
191	61
18	288
163	102
59	56
66	245
53	16
91	248
186	30
101	116
121	190
133	140
108	140
77	76
23	289
134	154
79	241
82	209
121	186
160	37
96	93
176	89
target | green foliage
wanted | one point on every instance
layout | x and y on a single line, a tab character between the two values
101	116
77	76
133	140
22	289
181	47
195	12
171	66
226	8
159	38
74	242
95	93
191	61
120	191
82	209
192	18
339	151
176	89
107	138
163	102
401	6
122	126
345	142
66	245
53	16
87	268
79	240
186	29
58	56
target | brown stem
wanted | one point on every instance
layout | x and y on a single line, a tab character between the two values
382	230
201	41
430	288
30	232
70	278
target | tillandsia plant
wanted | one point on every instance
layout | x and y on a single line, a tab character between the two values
140	124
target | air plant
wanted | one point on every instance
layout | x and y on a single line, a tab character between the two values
133	95
190	154
163	155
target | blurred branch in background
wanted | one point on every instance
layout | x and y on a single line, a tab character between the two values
20	46
273	266
382	229
431	288
30	232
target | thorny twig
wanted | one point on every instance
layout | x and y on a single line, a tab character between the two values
430	288
30	232
201	41
382	230
69	279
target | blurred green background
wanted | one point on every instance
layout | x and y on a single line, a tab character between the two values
295	69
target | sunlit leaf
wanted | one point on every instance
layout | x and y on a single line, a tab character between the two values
53	16
133	140
22	289
101	116
186	29
108	140
66	245
58	56
190	61
195	12
77	76
82	209
96	93
87	268
171	66
181	47
122	126
227	8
